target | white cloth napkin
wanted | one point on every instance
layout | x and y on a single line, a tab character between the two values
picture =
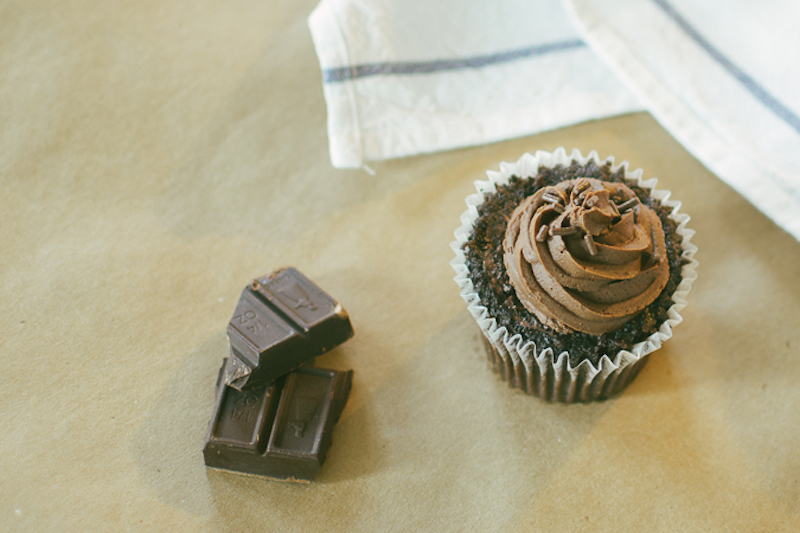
403	77
723	77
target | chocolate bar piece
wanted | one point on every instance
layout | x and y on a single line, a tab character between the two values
281	321
282	431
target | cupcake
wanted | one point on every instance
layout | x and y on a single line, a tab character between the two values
575	271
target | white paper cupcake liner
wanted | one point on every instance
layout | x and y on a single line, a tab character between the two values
537	370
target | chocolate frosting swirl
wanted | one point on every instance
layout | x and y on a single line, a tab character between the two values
585	255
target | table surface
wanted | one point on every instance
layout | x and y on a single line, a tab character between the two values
155	157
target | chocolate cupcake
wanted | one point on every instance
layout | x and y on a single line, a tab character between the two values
575	270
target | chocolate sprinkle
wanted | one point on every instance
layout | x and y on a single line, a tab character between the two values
542	235
552	198
484	255
627	205
587	238
565	230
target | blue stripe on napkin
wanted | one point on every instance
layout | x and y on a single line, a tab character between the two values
335	75
774	105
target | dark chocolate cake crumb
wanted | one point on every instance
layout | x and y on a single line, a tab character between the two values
484	255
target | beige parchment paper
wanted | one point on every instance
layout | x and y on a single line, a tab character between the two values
156	156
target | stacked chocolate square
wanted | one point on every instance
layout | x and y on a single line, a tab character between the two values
272	416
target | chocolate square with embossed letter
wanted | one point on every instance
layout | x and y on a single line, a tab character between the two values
282	431
280	322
